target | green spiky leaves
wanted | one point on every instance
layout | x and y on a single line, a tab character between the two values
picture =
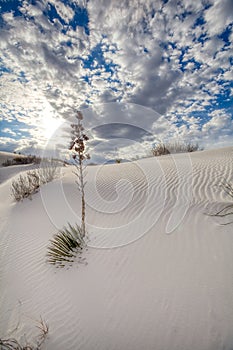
65	245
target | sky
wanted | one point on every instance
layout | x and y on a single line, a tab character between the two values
140	70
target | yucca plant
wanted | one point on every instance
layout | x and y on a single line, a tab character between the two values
65	245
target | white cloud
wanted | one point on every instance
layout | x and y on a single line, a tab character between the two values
218	16
153	49
64	11
8	131
220	120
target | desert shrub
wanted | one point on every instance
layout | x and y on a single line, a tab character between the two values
65	245
175	147
192	147
22	160
27	160
25	185
13	344
227	210
160	150
36	160
7	162
48	171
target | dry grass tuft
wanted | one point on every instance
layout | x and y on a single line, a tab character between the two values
13	344
226	211
27	184
175	147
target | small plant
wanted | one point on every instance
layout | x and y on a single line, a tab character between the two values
175	147
192	147
13	344
25	185
160	150
7	162
48	171
226	211
22	160
65	245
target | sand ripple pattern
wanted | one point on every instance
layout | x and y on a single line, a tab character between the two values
145	295
119	197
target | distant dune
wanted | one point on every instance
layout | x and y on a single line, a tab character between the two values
10	171
8	155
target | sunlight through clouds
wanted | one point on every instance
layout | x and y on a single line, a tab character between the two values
60	56
49	125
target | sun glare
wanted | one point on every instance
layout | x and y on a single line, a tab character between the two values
50	125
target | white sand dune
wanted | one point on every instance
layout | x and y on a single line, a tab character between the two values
7	173
10	171
8	155
158	273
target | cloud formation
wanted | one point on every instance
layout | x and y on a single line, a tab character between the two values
174	57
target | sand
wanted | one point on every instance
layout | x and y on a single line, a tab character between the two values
158	271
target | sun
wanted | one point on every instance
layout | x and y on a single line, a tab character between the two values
50	125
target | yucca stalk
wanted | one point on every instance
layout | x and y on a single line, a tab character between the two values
79	155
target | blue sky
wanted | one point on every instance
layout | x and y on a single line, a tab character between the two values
170	58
